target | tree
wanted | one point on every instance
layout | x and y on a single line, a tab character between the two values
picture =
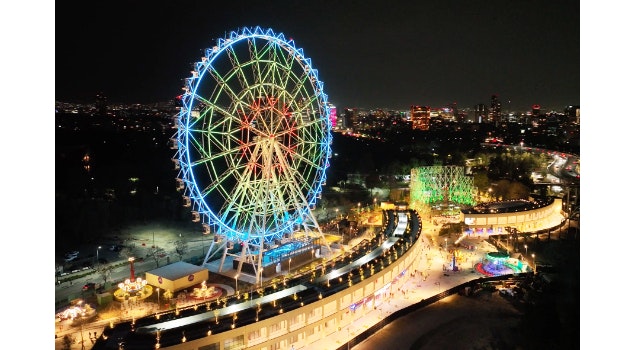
67	342
481	181
500	189
372	180
517	190
452	228
180	248
156	253
126	252
104	271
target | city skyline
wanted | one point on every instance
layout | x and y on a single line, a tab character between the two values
368	54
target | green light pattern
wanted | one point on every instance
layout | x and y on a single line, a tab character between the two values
435	184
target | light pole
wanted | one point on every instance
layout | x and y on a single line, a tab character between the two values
260	271
289	265
533	258
359	207
81	324
446	243
374	203
158	301
337	210
236	278
525	250
507	243
97	263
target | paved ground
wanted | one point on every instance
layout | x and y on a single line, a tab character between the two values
456	322
483	321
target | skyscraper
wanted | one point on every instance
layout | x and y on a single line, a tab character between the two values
420	116
495	110
101	103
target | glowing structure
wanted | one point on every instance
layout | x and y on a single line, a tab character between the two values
499	263
132	285
435	184
253	142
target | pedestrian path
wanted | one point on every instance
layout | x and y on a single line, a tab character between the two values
429	280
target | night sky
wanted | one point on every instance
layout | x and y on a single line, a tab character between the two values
370	54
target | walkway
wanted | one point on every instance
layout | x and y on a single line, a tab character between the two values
430	280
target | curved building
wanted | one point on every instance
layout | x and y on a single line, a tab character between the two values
524	215
303	310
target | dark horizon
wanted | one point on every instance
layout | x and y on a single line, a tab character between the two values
368	54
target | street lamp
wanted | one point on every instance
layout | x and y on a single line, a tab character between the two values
533	257
260	271
99	247
81	324
525	250
446	243
507	243
289	265
375	203
158	301
236	278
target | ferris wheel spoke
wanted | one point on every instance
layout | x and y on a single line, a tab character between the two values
239	72
298	84
211	107
223	84
286	66
273	71
301	157
304	104
218	176
291	172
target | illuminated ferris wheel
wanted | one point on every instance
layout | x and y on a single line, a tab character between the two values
253	139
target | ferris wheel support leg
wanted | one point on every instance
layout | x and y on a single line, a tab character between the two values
319	230
211	252
259	264
222	260
243	254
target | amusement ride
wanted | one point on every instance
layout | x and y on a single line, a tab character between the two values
253	143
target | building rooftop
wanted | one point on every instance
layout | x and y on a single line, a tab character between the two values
176	270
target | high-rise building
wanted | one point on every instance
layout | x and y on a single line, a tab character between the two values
101	103
333	116
573	114
420	116
495	110
351	118
455	110
480	113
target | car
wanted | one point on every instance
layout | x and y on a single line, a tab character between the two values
72	254
116	247
89	286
